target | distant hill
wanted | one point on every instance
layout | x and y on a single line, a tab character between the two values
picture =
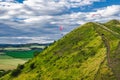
23	45
89	52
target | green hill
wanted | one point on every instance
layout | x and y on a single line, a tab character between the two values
89	52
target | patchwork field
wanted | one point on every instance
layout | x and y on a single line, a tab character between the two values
11	56
8	63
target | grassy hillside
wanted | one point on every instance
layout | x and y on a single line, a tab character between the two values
89	52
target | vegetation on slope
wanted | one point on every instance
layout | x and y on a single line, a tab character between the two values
90	52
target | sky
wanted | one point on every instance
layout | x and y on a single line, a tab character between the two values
38	21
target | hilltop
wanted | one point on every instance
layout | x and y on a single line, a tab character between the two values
89	52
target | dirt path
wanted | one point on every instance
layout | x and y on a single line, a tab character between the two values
107	44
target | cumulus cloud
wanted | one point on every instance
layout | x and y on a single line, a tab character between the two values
43	17
7	0
109	11
104	14
79	3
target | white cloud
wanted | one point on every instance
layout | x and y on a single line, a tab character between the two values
39	19
79	3
37	10
104	14
100	15
109	11
7	0
45	16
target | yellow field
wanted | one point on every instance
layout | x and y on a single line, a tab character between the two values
9	64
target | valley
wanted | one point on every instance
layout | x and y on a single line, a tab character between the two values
12	55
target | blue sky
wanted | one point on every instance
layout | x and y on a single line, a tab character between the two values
38	21
20	1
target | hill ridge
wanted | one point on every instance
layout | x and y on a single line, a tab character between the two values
104	27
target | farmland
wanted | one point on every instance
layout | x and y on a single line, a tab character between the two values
12	55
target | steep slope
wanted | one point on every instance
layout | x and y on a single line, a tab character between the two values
89	52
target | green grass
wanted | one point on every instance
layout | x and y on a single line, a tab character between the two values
113	25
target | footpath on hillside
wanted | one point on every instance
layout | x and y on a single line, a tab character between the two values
107	45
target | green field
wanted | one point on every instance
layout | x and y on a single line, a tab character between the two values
20	54
9	63
11	57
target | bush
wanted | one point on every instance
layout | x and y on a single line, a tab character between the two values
32	66
15	72
3	72
60	67
20	66
46	47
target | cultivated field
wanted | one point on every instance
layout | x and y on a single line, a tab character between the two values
10	57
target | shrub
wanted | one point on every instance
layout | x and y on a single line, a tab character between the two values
60	67
46	47
3	72
15	72
102	34
32	66
20	66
